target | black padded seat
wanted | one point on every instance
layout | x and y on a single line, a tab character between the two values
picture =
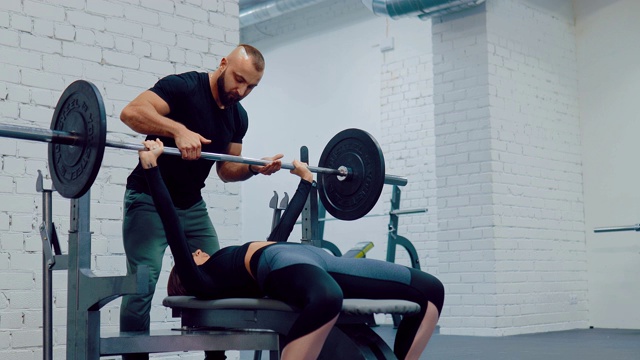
263	313
349	306
191	302
368	307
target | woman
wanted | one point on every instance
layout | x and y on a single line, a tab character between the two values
302	276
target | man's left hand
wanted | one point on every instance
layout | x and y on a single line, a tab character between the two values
270	168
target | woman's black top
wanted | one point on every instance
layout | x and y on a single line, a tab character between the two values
224	275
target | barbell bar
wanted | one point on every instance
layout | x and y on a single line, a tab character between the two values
635	227
35	134
340	172
351	166
68	138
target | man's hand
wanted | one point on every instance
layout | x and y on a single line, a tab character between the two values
270	168
190	144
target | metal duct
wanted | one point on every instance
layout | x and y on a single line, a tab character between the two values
268	10
420	8
271	9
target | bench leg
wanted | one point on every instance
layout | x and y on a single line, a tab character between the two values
355	342
273	355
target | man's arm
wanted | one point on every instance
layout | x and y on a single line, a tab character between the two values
146	114
231	171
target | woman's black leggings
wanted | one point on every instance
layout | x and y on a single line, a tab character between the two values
315	281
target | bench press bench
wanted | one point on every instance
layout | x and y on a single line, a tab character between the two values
227	324
351	338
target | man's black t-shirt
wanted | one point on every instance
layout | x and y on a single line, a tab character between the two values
192	104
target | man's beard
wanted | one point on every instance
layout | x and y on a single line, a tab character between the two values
226	98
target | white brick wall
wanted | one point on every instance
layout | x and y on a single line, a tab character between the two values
407	136
538	181
123	47
463	177
509	171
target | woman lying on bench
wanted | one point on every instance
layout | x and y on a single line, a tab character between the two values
303	276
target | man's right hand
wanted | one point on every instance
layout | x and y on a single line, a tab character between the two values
190	144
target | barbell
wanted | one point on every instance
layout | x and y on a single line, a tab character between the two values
635	227
351	167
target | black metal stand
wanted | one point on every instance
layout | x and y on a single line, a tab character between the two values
88	293
393	239
52	259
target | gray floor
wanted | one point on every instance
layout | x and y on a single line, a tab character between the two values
587	344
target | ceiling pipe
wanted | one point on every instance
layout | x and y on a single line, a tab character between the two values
421	8
268	10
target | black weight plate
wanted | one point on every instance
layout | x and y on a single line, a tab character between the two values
355	196
74	168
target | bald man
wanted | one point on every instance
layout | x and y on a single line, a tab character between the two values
195	112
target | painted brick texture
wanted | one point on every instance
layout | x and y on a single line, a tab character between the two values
539	237
510	207
407	140
123	47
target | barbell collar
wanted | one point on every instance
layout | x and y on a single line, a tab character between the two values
395	180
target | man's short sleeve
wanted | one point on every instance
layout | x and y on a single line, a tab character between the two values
171	89
241	120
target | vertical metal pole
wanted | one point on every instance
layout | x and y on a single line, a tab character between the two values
393	224
79	258
47	288
72	283
394	240
310	212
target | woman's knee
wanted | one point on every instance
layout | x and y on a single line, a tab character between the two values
430	286
325	297
309	288
305	286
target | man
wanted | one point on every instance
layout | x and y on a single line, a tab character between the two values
194	112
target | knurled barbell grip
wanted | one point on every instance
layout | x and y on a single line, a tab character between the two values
225	157
388	179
